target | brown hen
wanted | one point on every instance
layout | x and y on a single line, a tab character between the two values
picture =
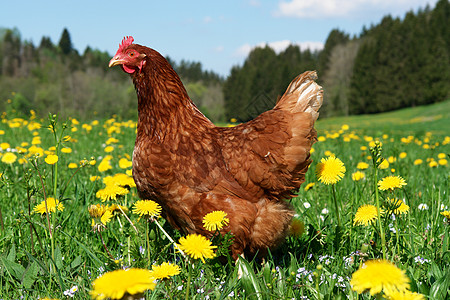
192	167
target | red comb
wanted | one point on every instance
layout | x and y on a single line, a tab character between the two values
126	41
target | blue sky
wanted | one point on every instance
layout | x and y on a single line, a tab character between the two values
219	34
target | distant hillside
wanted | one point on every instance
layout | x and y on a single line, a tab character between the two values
56	78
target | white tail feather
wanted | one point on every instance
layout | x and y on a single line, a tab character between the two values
303	95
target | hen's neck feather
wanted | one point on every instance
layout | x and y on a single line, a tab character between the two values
163	102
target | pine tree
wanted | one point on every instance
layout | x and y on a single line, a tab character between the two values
65	43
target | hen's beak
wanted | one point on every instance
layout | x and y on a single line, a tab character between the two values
115	61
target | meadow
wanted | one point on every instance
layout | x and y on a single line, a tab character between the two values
70	214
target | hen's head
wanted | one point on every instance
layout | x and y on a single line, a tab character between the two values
128	56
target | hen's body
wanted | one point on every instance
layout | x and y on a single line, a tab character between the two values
191	167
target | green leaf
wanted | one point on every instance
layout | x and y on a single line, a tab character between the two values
440	287
95	259
249	281
13	268
58	258
30	275
76	262
12	254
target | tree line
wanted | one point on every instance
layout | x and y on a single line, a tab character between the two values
395	64
56	78
400	62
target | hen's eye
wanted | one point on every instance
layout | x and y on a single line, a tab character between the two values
131	54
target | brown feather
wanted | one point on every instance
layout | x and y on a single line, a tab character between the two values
191	167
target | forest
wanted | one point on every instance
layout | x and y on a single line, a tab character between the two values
398	63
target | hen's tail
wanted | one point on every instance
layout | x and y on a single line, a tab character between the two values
303	95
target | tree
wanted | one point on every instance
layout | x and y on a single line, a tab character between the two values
336	37
65	43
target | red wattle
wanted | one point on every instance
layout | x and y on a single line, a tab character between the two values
128	69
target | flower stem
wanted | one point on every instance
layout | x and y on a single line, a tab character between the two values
104	245
169	237
148	243
336	205
188	284
377	200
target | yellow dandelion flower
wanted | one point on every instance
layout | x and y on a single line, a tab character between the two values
363	148
9	158
391	183
124	163
377	276
400	206
94	178
330	170
165	270
362	165
329	153
197	246
106	217
432	164
21	150
51	159
104	165
443	162
402	155
117	208
72	166
147	207
384	164
66	150
101	215
391	159
111	192
120	179
418	162
441	155
36	140
111	140
34	150
321	138
116	284
96	210
109	149
297	228
215	220
365	215
5	146
345	127
402	295
309	186
52	206
446	214
358	175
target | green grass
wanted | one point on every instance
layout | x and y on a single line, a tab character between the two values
317	264
434	117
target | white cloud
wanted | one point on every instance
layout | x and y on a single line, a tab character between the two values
278	46
219	49
346	8
255	3
207	19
